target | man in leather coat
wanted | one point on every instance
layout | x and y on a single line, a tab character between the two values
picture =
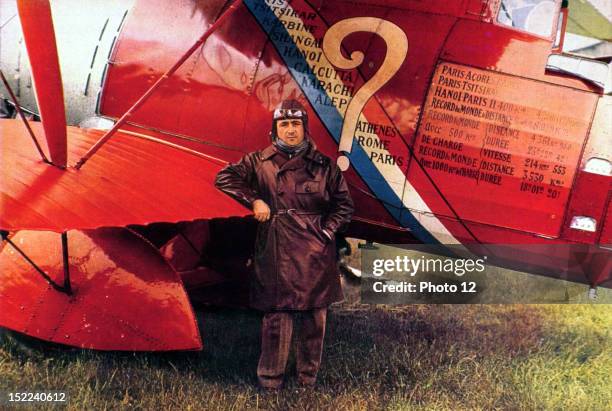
301	200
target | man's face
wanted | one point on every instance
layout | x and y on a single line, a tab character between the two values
290	131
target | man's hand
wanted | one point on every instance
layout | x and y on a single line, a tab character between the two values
261	211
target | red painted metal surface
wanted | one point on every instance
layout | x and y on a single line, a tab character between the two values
215	76
121	300
538	163
131	181
589	199
246	76
163	78
500	48
220	103
606	229
39	36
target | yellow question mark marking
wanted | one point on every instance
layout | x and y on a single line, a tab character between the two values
397	48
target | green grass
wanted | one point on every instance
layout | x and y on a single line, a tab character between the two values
421	357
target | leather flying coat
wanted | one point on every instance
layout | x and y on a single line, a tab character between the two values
295	262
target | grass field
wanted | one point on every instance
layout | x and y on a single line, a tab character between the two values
419	357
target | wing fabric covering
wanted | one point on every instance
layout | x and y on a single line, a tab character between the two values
39	36
125	295
129	181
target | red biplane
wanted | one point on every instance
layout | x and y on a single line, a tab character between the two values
456	122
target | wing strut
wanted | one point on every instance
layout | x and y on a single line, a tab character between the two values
66	288
39	36
233	7
25	120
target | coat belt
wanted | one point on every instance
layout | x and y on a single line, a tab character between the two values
294	213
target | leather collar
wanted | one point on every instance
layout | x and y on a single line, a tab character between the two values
268	152
311	154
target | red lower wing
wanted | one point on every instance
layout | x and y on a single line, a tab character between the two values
125	295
